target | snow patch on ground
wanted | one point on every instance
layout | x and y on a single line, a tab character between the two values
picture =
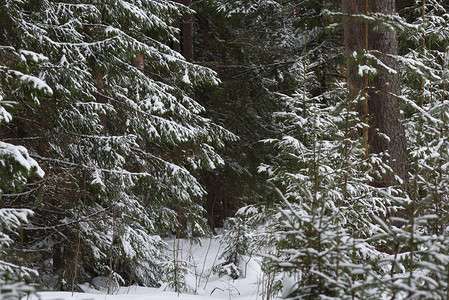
133	292
204	283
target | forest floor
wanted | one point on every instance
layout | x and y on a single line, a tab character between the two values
202	281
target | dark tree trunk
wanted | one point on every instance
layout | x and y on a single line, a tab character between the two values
187	34
354	36
382	107
177	44
58	259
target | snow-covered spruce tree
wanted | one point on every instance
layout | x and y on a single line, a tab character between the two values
253	46
120	138
324	219
424	72
18	87
299	161
330	239
242	239
418	260
417	257
421	260
12	272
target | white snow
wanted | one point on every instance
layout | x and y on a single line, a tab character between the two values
133	292
368	70
36	57
5	116
186	78
19	154
203	282
37	83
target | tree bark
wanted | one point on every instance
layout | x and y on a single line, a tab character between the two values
177	44
139	62
383	113
187	34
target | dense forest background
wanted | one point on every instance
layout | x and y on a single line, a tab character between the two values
314	130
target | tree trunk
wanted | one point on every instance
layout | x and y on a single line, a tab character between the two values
382	108
139	62
177	44
187	34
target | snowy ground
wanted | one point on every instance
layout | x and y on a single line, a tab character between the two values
201	280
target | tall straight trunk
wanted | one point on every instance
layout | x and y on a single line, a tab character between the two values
177	44
383	114
187	34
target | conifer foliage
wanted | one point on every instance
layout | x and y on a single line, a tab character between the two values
18	86
373	252
117	132
254	46
326	208
105	147
339	233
